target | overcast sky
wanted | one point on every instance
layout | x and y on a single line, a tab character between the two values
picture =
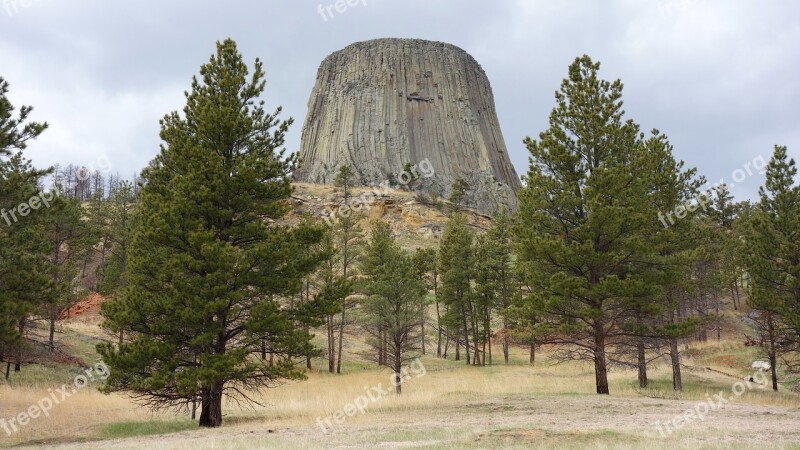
720	77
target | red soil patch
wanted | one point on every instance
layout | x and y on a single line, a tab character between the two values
87	305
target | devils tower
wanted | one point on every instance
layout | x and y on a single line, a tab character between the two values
379	105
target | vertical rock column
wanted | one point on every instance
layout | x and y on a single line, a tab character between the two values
378	105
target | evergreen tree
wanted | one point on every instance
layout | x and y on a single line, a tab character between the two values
496	278
209	268
395	295
424	260
458	195
773	244
486	293
116	240
69	238
584	216
410	176
333	290
456	268
345	179
347	234
655	319
23	250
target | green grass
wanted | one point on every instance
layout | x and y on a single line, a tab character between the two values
39	376
133	429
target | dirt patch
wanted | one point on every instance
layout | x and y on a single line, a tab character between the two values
89	305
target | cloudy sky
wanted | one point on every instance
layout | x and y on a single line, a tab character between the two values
720	77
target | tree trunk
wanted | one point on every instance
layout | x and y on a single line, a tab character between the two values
772	352
211	409
719	324
703	309
466	335
475	331
331	346
341	336
677	384
398	368
422	325
642	359
773	362
600	369
490	348
489	333
304	300
18	362
51	343
439	326
505	340
533	354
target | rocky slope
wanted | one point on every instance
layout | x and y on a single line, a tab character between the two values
415	224
381	104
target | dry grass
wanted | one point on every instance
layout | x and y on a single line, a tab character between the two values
451	406
80	415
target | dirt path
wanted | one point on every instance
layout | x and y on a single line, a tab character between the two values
546	422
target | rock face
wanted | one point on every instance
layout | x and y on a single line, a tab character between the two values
379	105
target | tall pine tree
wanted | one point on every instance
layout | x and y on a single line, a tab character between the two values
24	284
208	266
773	243
584	216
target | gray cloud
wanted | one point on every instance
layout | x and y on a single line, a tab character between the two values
718	76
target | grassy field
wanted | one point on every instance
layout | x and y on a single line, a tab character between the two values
445	405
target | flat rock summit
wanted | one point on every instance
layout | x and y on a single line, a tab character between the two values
381	104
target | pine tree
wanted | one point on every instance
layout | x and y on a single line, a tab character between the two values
584	216
395	295
486	294
23	264
69	237
410	176
496	278
345	179
456	268
458	195
348	235
424	260
209	269
333	290
773	243
116	240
